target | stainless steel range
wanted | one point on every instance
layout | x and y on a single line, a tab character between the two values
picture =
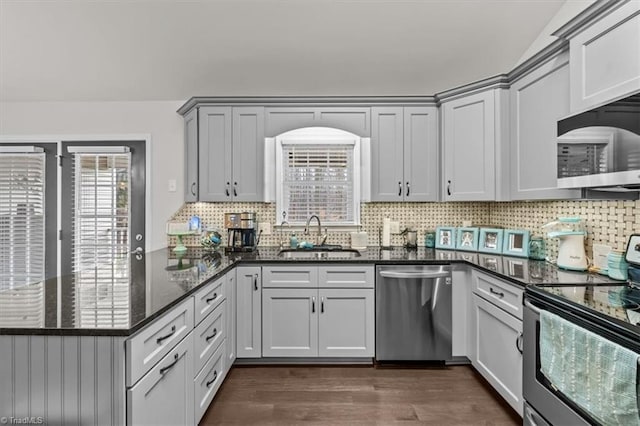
607	314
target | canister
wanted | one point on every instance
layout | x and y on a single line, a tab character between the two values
537	248
616	265
430	239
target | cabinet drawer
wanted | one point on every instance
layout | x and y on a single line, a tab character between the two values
208	298
207	383
346	276
153	342
290	276
165	394
208	335
501	293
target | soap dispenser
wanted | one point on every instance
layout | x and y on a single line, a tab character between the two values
293	241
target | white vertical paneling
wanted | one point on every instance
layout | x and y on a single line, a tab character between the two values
37	367
6	375
21	375
70	381
87	380
53	379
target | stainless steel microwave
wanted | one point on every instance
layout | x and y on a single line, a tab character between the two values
600	148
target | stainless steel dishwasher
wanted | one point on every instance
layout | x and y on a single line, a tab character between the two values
413	312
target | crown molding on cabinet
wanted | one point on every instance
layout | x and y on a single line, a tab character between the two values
591	13
500	81
300	101
539	58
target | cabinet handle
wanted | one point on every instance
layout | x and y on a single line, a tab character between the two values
448	187
211	299
497	293
322	305
193	189
255	282
170	366
235	193
215	333
313	305
210	382
399	189
408	189
173	331
226	190
519	343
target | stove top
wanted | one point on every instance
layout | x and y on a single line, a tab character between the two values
621	301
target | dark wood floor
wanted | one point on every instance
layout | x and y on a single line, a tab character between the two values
329	395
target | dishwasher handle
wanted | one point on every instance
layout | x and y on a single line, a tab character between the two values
414	274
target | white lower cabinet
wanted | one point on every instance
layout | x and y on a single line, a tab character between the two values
164	396
289	322
346	323
231	294
249	312
497	353
313	321
208	381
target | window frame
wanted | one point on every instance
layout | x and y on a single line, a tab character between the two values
319	136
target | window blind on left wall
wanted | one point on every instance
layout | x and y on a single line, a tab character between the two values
22	233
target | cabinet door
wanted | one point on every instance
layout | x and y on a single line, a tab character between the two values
497	353
164	396
538	101
605	58
215	156
346	323
248	154
421	171
468	142
387	158
290	322
231	294
191	156
249	312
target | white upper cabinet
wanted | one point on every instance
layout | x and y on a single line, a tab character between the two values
404	154
474	154
605	56
537	101
230	154
351	119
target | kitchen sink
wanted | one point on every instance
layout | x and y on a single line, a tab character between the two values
320	252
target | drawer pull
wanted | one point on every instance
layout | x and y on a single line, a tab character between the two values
497	293
163	370
173	331
211	299
215	332
210	382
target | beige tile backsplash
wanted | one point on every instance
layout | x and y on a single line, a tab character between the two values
607	222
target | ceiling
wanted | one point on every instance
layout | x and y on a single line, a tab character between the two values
142	50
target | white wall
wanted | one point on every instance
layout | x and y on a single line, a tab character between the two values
157	119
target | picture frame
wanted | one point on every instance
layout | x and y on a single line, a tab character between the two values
467	239
446	237
491	240
516	243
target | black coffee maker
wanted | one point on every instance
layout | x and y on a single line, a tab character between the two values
241	231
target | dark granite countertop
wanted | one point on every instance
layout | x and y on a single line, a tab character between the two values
120	298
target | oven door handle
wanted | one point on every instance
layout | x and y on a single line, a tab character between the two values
531	306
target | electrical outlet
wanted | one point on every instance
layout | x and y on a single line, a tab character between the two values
265	227
395	227
172	185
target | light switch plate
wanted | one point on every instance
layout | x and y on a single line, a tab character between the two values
395	227
265	227
172	185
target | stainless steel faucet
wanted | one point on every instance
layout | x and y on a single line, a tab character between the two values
321	238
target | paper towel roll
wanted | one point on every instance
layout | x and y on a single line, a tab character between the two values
386	232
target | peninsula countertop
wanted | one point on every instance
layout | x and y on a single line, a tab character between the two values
120	298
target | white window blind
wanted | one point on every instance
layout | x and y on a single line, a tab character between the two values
22	224
22	233
319	179
101	238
